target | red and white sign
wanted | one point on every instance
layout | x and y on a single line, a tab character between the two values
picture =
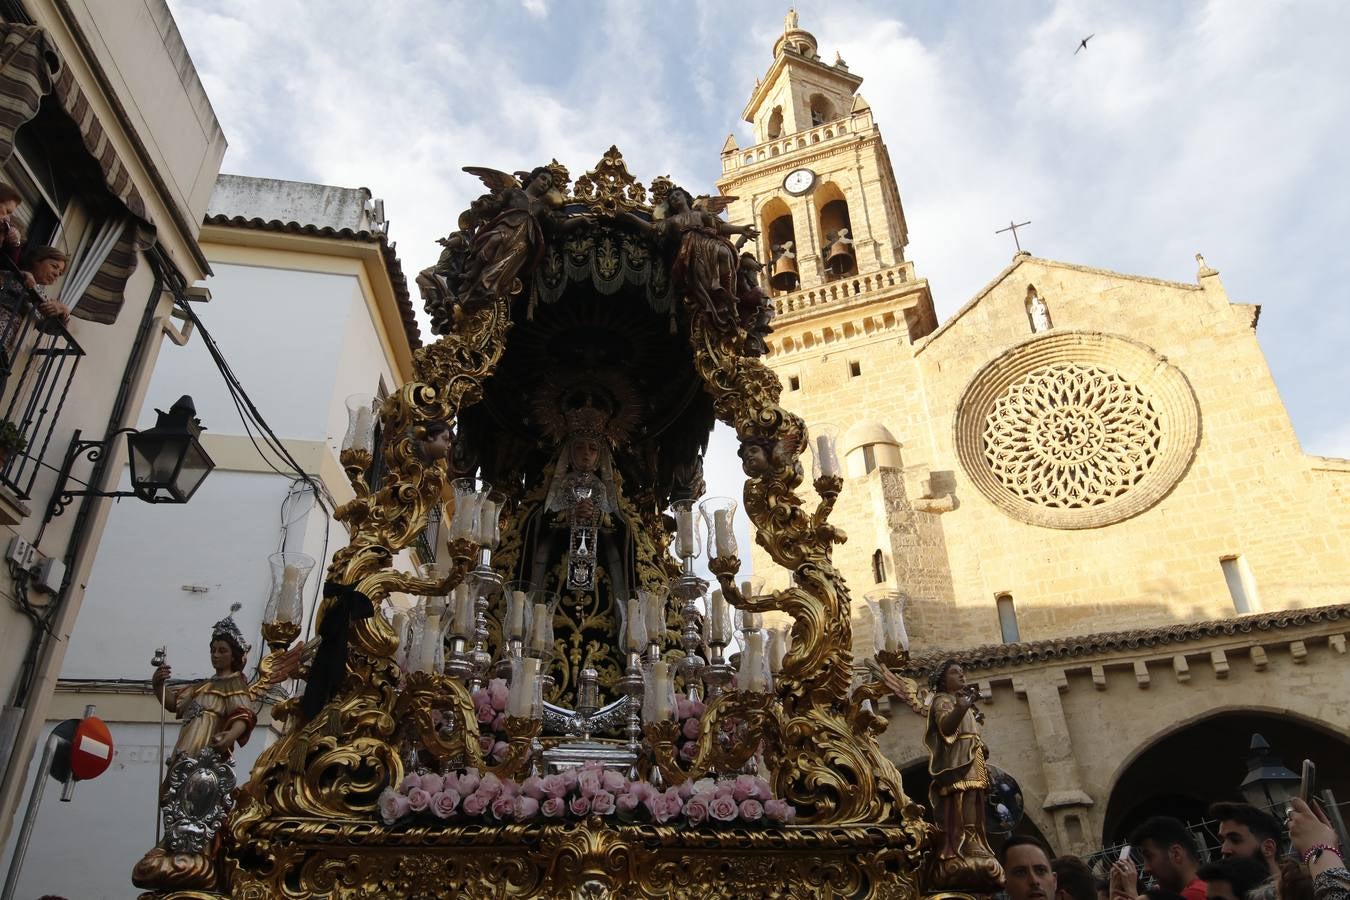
91	749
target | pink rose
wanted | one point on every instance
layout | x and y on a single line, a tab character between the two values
553	808
664	807
553	785
468	782
688	751
642	791
685	789
475	804
696	809
744	786
723	809
588	783
691	728
418	799
393	806
579	805
697	707
444	803
533	787
626	803
724	788
504	807
510	790
500	749
684	707
705	786
490	785
432	783
612	781
751	810
779	811
526	807
485	744
499	722
570	778
497	692
450	782
409	782
602	804
484	713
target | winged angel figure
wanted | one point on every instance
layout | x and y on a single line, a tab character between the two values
509	225
958	764
705	264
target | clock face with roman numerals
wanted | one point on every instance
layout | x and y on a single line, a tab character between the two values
799	181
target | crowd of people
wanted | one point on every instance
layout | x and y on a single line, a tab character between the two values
1250	866
26	272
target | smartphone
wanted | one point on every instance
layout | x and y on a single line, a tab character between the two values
1125	853
1308	784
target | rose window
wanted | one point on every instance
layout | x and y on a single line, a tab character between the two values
1076	429
1070	436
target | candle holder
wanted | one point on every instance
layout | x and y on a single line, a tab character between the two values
543	608
286	603
687	589
654	611
633	686
688	540
888	621
359	440
485	583
824	459
718	514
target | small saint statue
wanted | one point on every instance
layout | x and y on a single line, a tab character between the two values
1038	311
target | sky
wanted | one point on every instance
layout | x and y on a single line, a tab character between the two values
1218	127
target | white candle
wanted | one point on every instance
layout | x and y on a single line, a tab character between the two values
431	637
661	684
464	612
461	523
752	662
487	523
777	649
539	632
365	430
722	532
654	612
746	589
717	615
289	605
828	464
515	620
684	525
896	627
751	620
636	629
523	693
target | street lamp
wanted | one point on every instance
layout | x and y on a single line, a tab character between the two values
1268	784
168	462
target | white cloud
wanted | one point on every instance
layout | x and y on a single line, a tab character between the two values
536	8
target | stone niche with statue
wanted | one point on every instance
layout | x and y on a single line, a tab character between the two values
570	710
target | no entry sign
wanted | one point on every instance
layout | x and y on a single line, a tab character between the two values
91	748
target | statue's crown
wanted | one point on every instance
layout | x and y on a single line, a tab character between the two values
228	630
587	421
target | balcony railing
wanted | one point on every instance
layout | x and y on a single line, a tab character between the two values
38	359
843	288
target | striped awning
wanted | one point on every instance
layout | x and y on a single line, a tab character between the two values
30	69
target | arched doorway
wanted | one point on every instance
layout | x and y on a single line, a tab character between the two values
1204	760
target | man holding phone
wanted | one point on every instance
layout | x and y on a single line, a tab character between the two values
1169	856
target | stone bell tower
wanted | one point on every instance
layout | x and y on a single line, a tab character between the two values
818	184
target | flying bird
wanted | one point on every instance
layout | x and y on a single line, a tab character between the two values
1082	45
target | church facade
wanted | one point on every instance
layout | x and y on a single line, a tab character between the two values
1084	483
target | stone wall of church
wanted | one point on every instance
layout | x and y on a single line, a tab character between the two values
1248	490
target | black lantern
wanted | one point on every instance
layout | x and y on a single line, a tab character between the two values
1268	783
168	462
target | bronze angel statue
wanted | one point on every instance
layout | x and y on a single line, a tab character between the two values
508	227
706	265
958	764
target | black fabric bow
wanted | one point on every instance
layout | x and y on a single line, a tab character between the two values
330	660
